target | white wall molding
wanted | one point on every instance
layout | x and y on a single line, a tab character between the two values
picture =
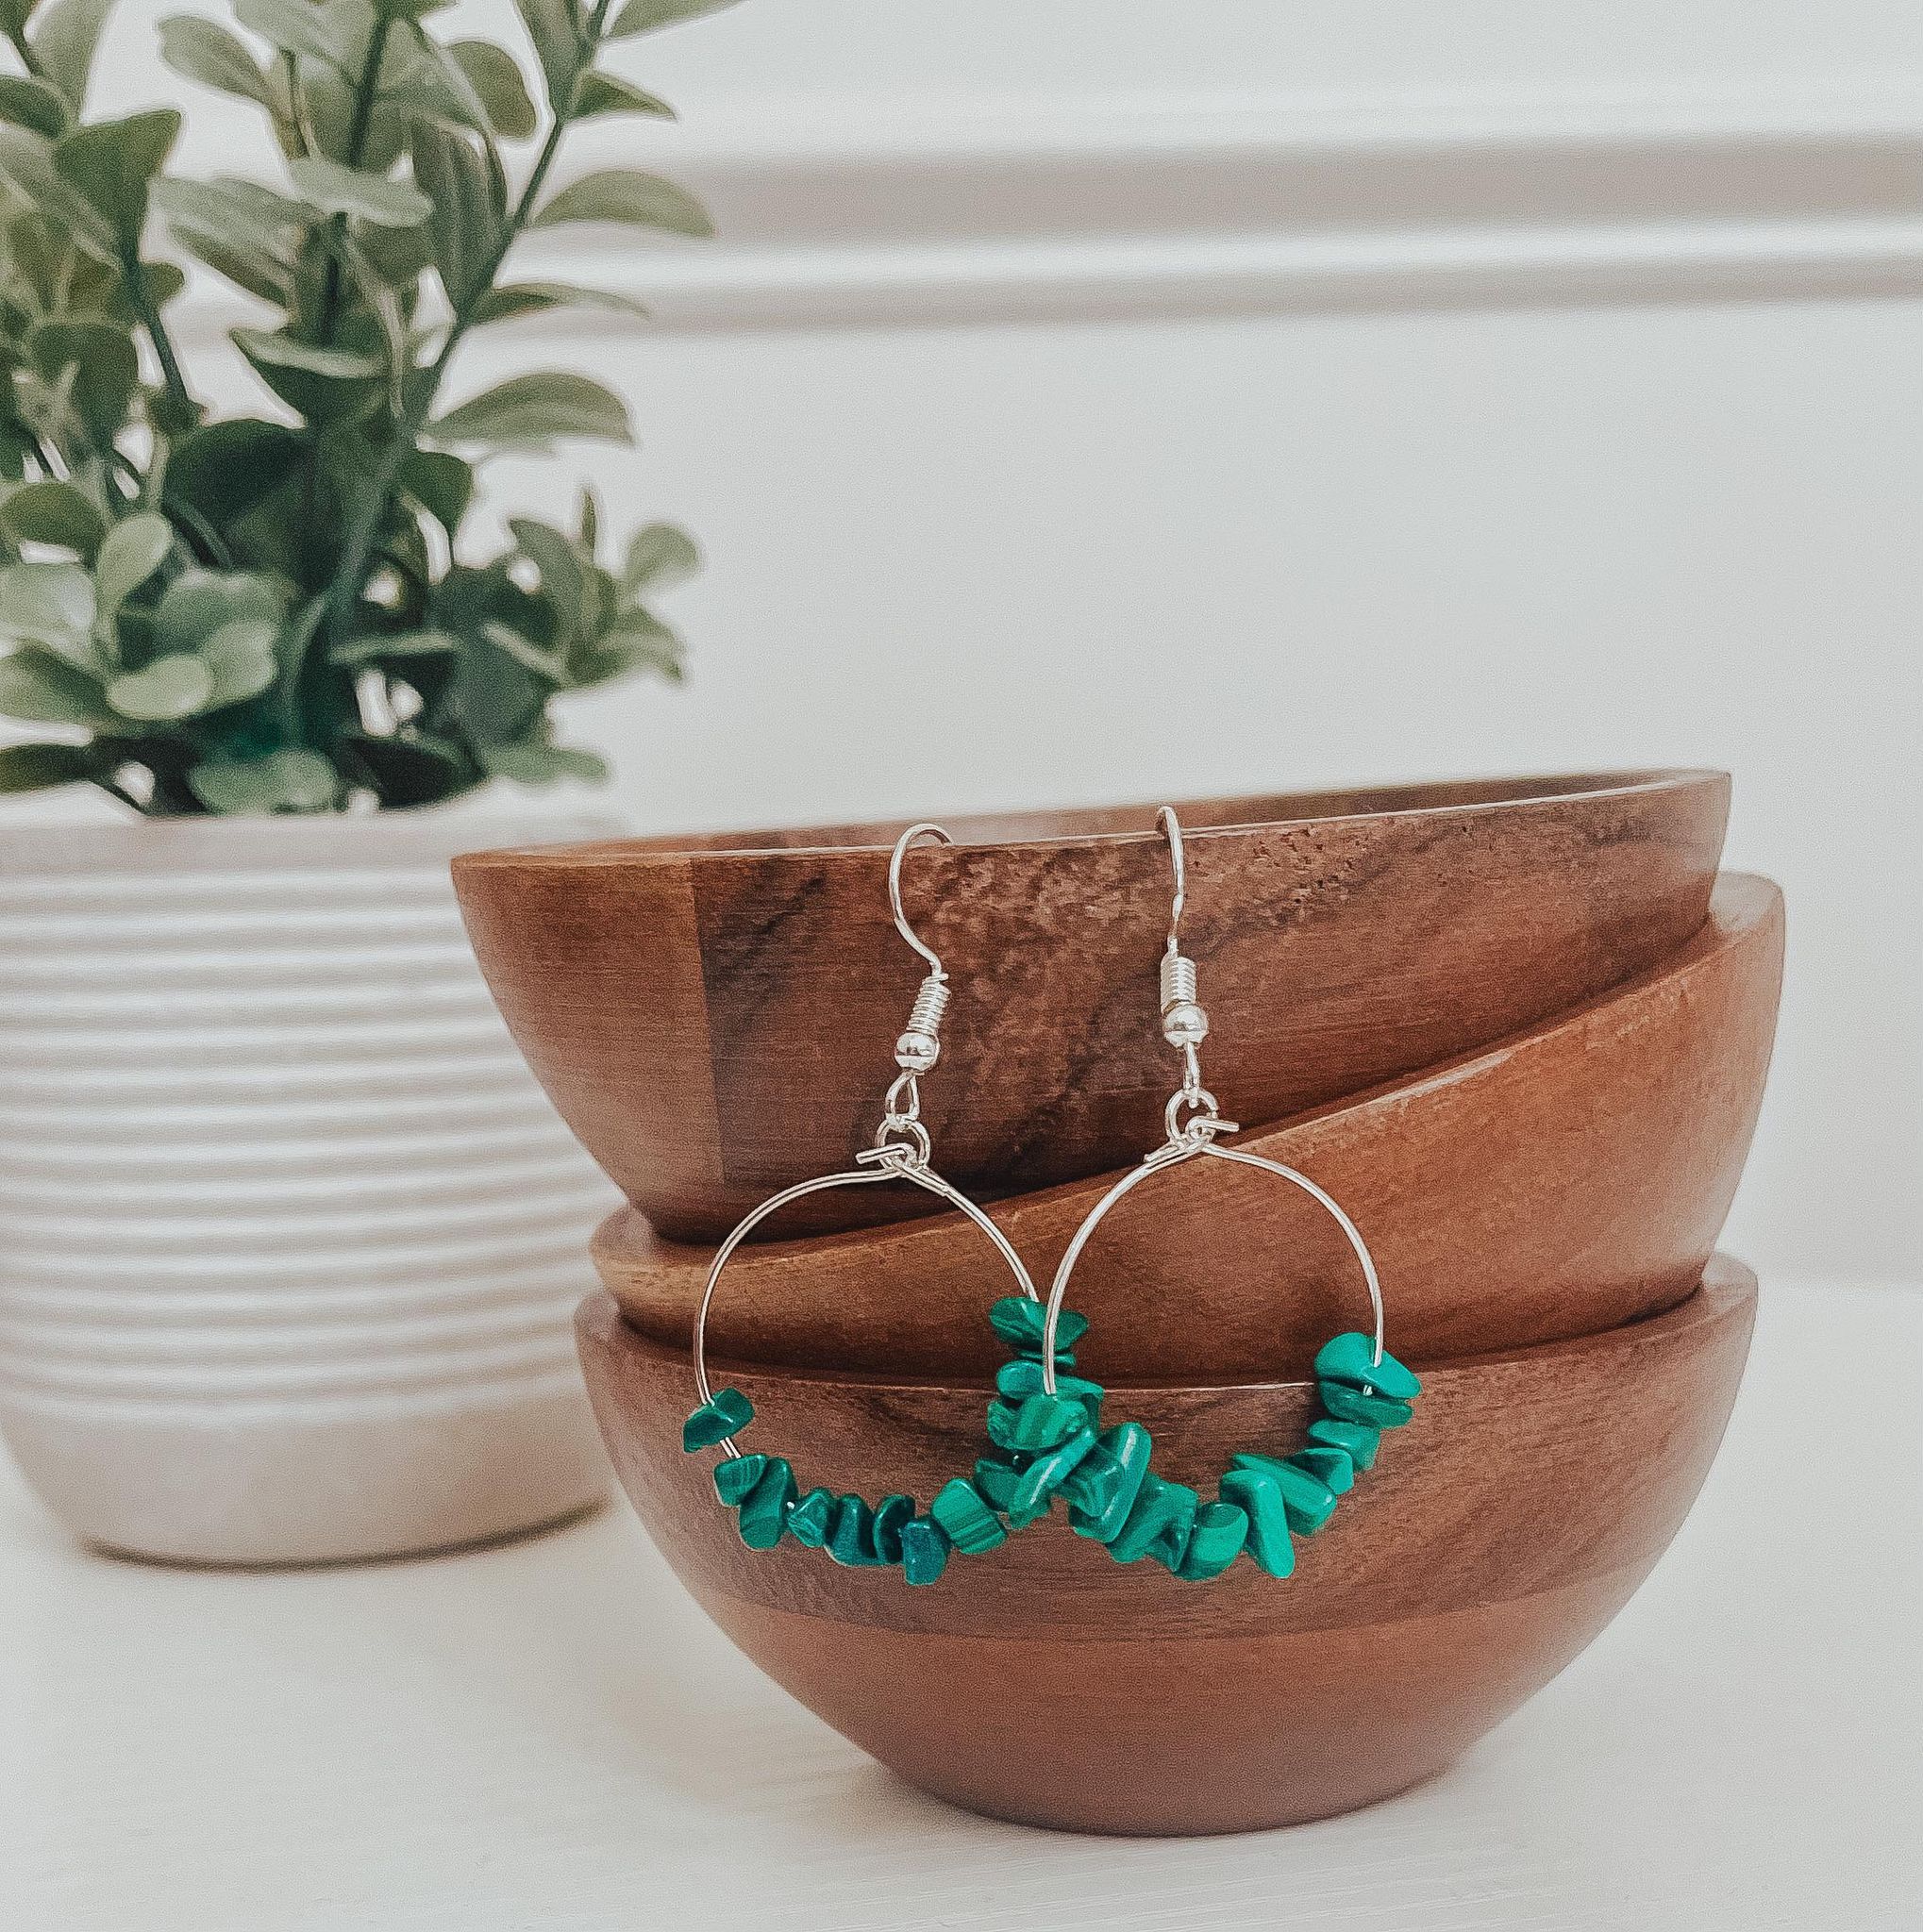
866	217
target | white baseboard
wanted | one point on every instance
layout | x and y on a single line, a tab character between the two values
860	217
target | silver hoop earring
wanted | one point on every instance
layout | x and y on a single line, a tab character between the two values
1112	1493
763	1488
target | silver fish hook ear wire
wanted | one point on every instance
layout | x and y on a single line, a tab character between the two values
1185	1021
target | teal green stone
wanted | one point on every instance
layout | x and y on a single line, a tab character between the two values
971	1524
1308	1499
1103	1488
1329	1466
813	1518
1357	1440
1259	1496
735	1475
1350	1359
1159	1523
1347	1405
1019	1322
924	1550
851	1540
890	1514
1217	1541
714	1421
1047	1472
1020	1380
1042	1422
995	1482
764	1511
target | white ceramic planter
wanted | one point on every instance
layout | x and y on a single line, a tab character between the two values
289	1236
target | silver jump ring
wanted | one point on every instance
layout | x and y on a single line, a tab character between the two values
882	1168
1173	1154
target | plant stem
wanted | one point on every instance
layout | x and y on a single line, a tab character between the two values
179	394
28	59
358	547
366	93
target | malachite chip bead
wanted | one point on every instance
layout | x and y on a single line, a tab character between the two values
1351	1359
735	1475
890	1514
813	1518
1329	1466
1103	1488
1019	1323
1347	1405
996	1483
1039	1422
851	1540
1159	1523
714	1421
764	1511
971	1525
924	1550
1018	1381
1214	1542
1357	1440
1260	1498
1309	1499
1047	1472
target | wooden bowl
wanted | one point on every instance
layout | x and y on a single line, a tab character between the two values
1043	1683
1568	1179
716	1023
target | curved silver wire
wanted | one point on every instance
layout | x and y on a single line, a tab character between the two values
1172	831
925	829
1173	1154
897	1167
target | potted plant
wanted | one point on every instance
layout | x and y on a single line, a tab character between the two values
289	1236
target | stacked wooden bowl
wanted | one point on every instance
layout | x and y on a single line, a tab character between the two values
1518	1028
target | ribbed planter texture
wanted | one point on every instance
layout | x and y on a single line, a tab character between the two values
289	1236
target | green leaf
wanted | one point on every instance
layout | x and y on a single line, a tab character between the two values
512	300
630	197
607	94
51	512
551	28
26	166
247	232
203	51
441	484
32	104
527	654
40	767
658	555
105	365
495	75
45	690
636	642
337	190
63	43
268	351
14	15
376	647
412	768
224	470
562	581
541	764
648	16
286	780
465	226
332	34
133	551
112	164
240	661
532	410
200	604
49	604
164	692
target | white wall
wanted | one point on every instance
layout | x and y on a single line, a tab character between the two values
1588	430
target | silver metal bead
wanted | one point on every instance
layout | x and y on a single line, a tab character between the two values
915	1053
1185	1025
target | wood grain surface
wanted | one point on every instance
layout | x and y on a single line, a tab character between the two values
1568	1179
1042	1682
716	1018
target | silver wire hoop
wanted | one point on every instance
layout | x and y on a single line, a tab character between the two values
1173	1154
884	1163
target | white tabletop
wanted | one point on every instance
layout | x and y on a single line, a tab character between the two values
550	1735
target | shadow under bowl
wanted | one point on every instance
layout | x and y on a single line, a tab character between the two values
1565	1181
1043	1683
716	1018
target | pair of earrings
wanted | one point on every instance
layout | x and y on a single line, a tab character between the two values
1044	1421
